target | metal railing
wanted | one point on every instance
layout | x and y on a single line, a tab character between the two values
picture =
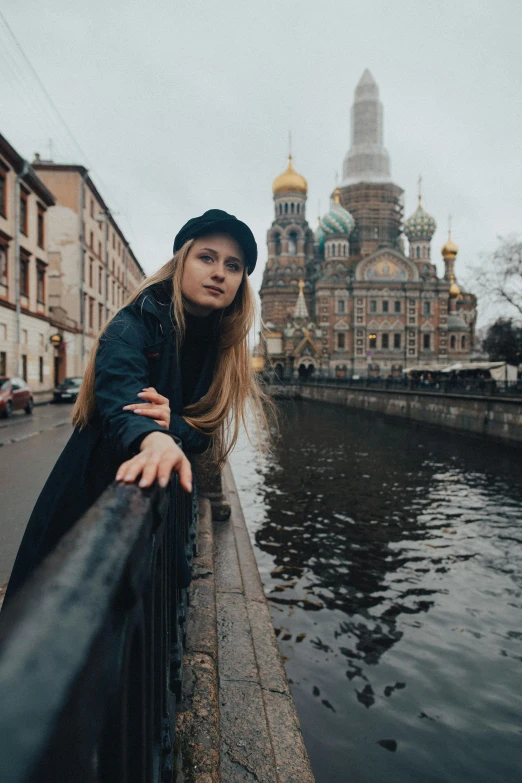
91	646
474	386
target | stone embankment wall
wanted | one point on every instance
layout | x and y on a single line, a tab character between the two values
498	418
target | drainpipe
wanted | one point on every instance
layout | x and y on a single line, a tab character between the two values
20	176
106	254
82	272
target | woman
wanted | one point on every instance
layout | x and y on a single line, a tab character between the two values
181	345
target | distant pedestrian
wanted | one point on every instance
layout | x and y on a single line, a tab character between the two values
171	372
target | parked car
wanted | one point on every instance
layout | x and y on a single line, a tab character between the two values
15	395
67	390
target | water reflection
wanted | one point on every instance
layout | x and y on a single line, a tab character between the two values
390	555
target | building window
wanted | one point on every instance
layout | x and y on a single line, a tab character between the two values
359	342
91	272
418	252
359	332
396	341
286	208
385	305
3	265
372	340
91	313
23	214
426	341
373	306
397	306
359	351
100	315
385	341
24	276
298	210
292	243
340	306
92	208
341	340
427	308
411	342
40	282
411	320
3	363
100	279
40	227
92	241
452	342
463	343
99	250
3	193
24	367
40	369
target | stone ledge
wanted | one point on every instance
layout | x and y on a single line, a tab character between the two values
237	720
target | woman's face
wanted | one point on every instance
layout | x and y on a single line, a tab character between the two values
214	268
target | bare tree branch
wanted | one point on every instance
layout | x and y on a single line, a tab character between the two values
499	277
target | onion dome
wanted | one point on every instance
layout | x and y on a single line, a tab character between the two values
450	249
457	324
420	225
290	181
454	288
337	220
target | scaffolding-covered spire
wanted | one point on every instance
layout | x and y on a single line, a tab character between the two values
367	160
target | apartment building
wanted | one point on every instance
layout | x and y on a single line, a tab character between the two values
92	268
26	323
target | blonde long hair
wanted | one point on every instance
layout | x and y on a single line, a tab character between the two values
234	388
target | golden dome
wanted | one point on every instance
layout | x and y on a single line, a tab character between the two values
454	289
450	248
290	181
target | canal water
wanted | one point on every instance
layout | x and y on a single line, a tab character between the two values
391	556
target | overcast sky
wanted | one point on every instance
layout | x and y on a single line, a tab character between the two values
183	106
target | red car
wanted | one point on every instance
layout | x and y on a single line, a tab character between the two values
15	395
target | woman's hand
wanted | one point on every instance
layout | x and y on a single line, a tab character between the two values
159	456
155	406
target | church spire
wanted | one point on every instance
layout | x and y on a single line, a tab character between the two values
367	160
300	309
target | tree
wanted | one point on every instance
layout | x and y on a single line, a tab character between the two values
503	342
499	278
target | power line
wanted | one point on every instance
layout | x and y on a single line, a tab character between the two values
55	109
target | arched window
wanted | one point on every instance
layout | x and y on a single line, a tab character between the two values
429	251
452	342
292	243
298	208
292	207
286	208
277	243
418	251
463	343
280	209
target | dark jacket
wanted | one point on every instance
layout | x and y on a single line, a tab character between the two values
137	350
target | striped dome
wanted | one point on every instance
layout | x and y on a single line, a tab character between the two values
337	220
420	225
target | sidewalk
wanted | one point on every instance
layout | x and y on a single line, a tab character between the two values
237	721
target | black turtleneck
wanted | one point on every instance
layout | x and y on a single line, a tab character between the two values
199	335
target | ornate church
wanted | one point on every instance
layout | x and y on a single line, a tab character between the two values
348	300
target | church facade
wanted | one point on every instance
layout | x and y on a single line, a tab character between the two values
348	299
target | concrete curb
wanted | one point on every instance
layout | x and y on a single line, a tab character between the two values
237	720
261	738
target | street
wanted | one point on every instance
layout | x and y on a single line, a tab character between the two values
29	447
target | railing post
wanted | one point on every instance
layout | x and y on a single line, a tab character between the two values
210	486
